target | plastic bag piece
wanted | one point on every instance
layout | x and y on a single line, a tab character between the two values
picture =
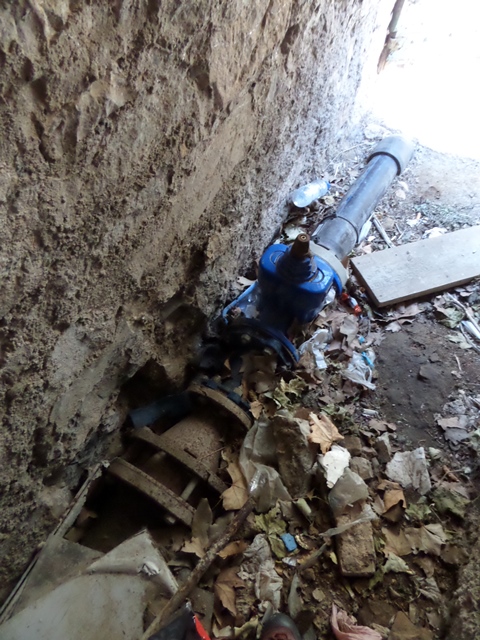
349	489
257	453
345	627
359	371
186	626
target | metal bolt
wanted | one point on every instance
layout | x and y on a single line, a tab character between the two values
245	338
301	246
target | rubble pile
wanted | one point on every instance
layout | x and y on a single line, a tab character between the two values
347	518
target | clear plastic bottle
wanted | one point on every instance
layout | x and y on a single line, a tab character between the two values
305	195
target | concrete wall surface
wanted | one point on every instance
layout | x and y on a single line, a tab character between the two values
147	149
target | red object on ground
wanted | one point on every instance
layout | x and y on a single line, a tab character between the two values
352	303
200	630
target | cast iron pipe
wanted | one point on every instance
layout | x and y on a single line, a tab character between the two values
341	233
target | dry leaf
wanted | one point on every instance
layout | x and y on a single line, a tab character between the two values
194	546
234	548
323	431
408	311
396	543
225	588
236	495
429	538
393	497
381	425
256	409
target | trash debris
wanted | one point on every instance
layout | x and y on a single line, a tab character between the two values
334	463
471	329
289	541
410	469
312	356
359	371
259	569
257	453
345	627
435	232
349	489
306	194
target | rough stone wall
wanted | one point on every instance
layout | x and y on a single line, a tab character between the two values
147	149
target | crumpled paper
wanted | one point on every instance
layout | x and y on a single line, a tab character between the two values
359	371
410	469
334	463
314	347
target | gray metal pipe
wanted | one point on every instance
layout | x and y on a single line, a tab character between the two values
340	234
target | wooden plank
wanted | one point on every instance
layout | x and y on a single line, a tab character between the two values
150	487
419	268
159	442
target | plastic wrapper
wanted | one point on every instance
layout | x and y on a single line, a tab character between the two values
258	452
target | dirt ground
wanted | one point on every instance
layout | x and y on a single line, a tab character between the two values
420	372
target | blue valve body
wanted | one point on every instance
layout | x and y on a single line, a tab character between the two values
292	289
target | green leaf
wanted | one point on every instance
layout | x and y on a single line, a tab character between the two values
271	522
418	512
449	501
396	565
453	317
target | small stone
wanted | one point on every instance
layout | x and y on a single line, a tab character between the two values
362	466
427	372
435	454
318	595
384	448
353	444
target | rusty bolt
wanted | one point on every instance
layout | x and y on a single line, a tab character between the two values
301	246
